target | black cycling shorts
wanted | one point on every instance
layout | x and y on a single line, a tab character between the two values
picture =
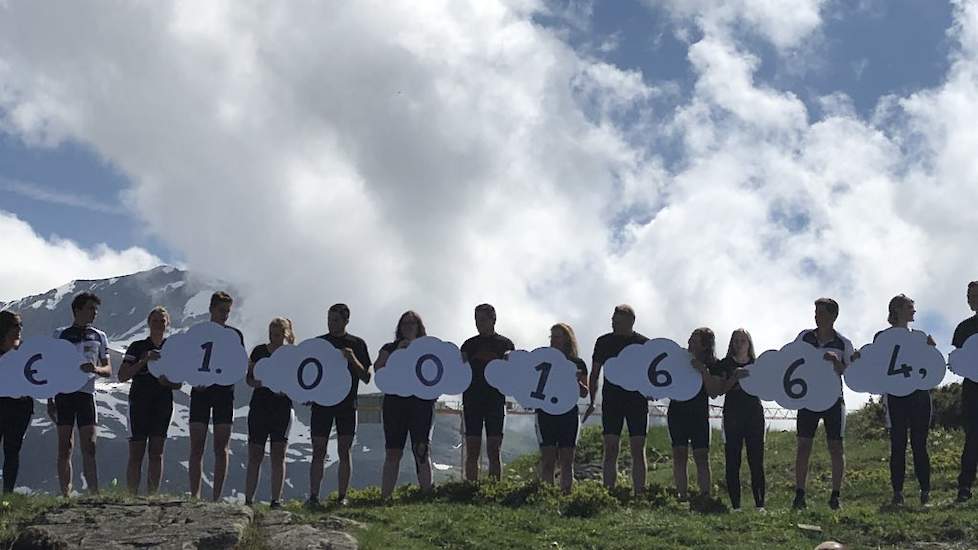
689	424
345	417
478	413
269	418
219	399
558	430
149	413
834	418
404	416
75	408
619	407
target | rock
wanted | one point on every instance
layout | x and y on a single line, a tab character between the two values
160	524
282	533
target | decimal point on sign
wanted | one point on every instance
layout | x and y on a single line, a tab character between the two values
553	400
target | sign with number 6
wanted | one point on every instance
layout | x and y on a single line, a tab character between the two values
796	377
540	379
206	354
658	369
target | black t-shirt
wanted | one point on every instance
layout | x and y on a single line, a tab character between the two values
264	395
608	346
480	351
143	380
736	396
359	348
964	330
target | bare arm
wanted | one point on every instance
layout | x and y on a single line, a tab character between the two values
582	383
250	377
594	380
128	369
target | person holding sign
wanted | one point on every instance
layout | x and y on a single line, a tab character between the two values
618	405
743	419
969	402
483	404
220	400
150	403
78	408
405	415
343	413
838	351
907	413
689	421
269	416
557	434
15	412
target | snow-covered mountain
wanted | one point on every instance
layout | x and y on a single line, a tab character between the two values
126	300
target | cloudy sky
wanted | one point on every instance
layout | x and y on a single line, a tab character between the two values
718	163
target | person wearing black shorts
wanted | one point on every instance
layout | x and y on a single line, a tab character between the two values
78	408
150	403
838	350
15	412
557	433
969	402
907	414
405	416
689	420
743	419
344	413
618	405
219	401
269	416
482	404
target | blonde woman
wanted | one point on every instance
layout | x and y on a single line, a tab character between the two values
557	433
150	403
269	416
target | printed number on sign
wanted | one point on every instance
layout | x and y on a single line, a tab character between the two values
659	378
30	371
791	383
302	369
419	371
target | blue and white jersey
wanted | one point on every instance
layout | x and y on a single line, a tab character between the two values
92	345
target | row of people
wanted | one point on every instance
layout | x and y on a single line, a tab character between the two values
483	408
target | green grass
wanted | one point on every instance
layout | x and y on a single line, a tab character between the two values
518	512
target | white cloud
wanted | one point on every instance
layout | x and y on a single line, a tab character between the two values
897	362
428	368
521	373
438	155
205	354
313	371
35	264
42	367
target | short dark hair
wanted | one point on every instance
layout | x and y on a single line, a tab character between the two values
342	309
221	297
972	284
829	304
486	307
81	300
625	309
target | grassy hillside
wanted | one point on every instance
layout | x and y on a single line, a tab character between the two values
520	513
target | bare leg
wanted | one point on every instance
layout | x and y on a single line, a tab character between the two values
65	444
838	456
278	468
548	464
86	440
198	438
222	437
802	456
703	477
155	466
343	445
422	462
609	466
134	468
638	463
316	465
494	446
566	457
473	447
256	453
392	465
679	457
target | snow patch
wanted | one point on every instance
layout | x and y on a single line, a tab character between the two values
59	294
199	304
172	286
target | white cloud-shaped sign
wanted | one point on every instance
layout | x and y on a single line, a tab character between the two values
206	354
542	379
797	377
427	368
41	368
658	369
314	371
898	362
964	360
